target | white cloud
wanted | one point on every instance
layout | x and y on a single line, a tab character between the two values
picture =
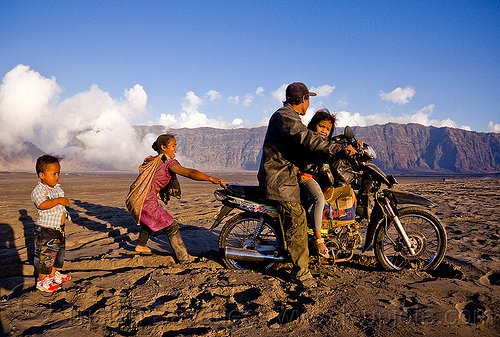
190	117
493	127
279	94
29	111
323	90
99	127
237	122
103	126
136	99
26	100
191	102
310	113
422	116
168	120
399	95
247	100
213	95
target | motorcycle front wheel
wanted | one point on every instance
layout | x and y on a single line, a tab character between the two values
242	232
427	237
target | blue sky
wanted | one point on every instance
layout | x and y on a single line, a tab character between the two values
226	63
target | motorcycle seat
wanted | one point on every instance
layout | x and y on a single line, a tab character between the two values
246	191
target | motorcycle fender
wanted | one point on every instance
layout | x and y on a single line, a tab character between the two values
221	215
375	217
401	197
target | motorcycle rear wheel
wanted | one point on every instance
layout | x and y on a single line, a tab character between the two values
238	232
427	236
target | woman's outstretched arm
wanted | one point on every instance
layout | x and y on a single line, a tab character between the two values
195	174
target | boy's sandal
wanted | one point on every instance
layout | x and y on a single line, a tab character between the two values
324	253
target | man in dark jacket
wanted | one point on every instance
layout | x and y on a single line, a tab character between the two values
287	144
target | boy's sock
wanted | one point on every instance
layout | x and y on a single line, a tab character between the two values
60	278
47	285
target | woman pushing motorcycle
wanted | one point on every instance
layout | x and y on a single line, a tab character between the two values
158	177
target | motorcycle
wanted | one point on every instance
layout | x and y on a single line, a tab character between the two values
403	233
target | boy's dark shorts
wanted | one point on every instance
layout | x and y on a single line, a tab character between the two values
49	249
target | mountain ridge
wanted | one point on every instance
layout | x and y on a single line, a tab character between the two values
401	149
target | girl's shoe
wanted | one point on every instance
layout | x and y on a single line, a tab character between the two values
321	252
60	278
47	285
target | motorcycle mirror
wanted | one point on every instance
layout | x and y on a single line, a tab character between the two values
348	132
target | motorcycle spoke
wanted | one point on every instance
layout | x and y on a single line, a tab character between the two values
249	233
243	235
425	235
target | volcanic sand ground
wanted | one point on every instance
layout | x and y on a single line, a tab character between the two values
116	293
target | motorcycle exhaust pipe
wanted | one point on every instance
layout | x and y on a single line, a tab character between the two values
250	255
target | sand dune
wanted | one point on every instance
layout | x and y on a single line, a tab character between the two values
116	293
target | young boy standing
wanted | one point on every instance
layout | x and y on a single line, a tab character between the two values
49	230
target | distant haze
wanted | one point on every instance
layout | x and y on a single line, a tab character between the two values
94	130
410	148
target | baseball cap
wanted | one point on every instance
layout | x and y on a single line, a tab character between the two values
297	89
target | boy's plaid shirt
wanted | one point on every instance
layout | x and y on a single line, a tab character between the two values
49	217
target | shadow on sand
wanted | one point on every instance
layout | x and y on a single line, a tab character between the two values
112	220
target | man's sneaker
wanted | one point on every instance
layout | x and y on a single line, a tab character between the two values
60	278
47	285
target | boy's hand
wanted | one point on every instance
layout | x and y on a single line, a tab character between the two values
47	204
63	201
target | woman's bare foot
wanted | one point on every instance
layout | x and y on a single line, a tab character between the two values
142	249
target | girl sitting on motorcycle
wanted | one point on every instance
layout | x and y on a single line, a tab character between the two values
315	178
310	177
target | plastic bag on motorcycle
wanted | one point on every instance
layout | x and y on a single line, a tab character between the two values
342	172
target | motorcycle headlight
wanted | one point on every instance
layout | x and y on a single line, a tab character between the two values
219	195
370	153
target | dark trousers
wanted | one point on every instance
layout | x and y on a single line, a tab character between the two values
294	222
49	249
